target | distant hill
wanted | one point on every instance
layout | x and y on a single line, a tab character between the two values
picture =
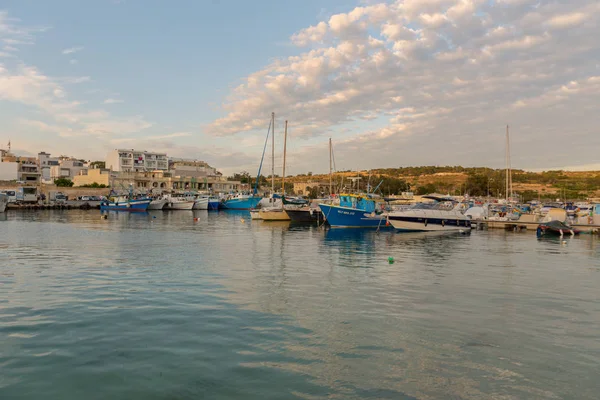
476	181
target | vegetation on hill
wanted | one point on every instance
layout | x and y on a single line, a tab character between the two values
455	180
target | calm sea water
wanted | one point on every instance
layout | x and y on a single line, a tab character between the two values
159	306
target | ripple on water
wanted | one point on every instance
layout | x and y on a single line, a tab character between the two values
139	307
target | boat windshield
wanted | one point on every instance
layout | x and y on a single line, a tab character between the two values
446	205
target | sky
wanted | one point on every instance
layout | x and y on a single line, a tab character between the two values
396	83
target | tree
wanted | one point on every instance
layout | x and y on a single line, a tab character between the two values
63	182
426	189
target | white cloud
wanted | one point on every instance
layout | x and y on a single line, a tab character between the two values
112	101
72	50
567	20
462	66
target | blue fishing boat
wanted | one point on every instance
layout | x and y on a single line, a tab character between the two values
355	211
241	202
126	204
213	203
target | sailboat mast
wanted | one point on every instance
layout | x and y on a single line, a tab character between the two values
330	170
506	161
273	155
284	153
510	185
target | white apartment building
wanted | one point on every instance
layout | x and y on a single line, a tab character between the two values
121	160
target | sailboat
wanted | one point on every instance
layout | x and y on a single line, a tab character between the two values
277	213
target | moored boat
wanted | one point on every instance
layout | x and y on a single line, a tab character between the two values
305	214
555	228
355	211
157	204
213	203
201	203
179	203
274	214
240	202
126	204
441	215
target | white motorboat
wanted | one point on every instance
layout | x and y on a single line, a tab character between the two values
441	215
3	202
179	203
201	203
157	204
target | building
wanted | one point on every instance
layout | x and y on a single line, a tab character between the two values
68	168
27	169
46	163
160	181
99	176
121	160
192	168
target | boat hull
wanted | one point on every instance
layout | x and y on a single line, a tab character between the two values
305	215
419	224
273	215
157	204
241	204
344	217
213	204
131	206
201	204
180	205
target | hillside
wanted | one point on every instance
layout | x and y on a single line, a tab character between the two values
476	181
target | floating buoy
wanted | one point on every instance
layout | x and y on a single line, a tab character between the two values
104	217
196	219
154	217
242	220
391	260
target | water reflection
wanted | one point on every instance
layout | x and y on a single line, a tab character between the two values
219	304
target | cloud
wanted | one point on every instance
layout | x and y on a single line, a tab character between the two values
72	50
112	101
463	67
78	79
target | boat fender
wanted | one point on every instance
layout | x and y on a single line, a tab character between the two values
443	223
572	232
425	222
561	233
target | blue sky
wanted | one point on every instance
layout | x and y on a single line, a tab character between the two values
394	83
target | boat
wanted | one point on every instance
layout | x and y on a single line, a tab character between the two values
278	213
441	215
240	201
157	204
355	211
213	203
305	214
201	203
294	201
126	203
179	203
3	202
555	228
274	214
